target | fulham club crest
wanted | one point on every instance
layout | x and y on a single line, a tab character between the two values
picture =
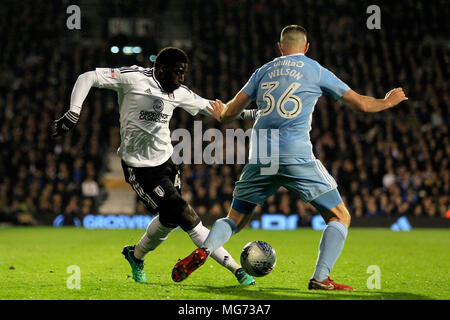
158	105
159	191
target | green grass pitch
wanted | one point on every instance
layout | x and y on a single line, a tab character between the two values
34	263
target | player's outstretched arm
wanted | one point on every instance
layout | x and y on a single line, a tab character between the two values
233	109
370	104
217	107
80	90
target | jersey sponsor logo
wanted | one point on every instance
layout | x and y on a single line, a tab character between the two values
159	191
112	73
154	116
289	63
158	105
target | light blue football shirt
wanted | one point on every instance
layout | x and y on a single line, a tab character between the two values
286	91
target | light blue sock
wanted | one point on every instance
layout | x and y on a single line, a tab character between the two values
330	248
221	232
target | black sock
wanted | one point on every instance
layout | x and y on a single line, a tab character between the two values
134	258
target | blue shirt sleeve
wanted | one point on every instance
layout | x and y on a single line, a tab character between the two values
332	85
251	87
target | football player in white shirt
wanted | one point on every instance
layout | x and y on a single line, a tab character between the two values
147	98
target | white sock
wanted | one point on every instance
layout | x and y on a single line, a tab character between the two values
155	235
198	235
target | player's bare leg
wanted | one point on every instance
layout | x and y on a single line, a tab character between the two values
240	219
339	214
331	244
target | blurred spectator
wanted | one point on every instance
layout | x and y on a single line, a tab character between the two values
90	188
386	164
71	214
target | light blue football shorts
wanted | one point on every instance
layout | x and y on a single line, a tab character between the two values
309	180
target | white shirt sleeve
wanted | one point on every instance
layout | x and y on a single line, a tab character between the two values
108	78
81	89
194	104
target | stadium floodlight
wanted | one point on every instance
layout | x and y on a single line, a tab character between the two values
152	58
137	49
127	50
114	49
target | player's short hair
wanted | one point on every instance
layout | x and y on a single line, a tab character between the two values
170	56
292	28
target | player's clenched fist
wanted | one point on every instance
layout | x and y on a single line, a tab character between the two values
395	96
64	124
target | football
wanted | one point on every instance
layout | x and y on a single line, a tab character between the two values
258	258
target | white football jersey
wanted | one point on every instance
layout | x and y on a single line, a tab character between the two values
145	111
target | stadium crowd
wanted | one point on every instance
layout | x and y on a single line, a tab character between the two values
40	177
386	164
391	163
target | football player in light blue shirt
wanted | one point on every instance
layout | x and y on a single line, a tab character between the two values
286	91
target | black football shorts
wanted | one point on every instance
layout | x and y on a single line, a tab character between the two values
159	188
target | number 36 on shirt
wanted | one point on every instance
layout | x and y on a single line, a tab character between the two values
287	96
